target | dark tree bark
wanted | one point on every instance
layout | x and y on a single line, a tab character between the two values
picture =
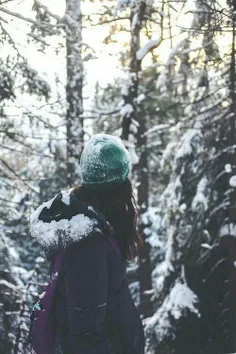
136	18
143	193
135	115
232	209
74	88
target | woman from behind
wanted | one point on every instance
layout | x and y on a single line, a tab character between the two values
94	224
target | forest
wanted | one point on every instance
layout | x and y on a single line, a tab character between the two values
159	74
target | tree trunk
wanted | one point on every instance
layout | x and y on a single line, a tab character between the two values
133	114
74	89
130	96
145	277
232	209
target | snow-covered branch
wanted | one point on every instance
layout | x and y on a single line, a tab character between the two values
102	22
45	8
163	75
16	175
156	128
148	47
8	284
43	25
38	38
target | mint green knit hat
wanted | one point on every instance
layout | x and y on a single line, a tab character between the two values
104	161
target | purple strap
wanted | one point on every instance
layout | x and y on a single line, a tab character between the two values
114	244
42	330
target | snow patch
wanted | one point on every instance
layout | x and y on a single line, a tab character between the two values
232	181
181	297
13	253
135	21
168	153
157	128
72	230
134	288
228	168
228	229
126	110
186	143
66	196
34	216
200	198
151	44
206	245
63	231
182	208
180	300
166	267
132	152
7	284
162	82
140	98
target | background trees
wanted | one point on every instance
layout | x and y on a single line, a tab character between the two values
170	95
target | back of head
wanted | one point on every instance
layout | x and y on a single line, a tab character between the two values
105	165
104	162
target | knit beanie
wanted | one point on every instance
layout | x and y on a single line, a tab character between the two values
104	161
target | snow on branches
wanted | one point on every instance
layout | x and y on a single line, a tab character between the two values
150	45
180	302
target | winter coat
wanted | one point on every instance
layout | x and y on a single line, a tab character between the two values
94	312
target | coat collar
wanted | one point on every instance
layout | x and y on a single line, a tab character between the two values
63	220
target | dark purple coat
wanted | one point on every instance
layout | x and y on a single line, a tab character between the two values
94	310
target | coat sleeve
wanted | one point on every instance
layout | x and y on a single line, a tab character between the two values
86	288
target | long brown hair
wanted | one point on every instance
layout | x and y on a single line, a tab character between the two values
118	206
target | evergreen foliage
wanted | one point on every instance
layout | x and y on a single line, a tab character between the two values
172	100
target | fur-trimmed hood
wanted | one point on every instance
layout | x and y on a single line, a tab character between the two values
63	220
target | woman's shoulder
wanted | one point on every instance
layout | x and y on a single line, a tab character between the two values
65	221
51	210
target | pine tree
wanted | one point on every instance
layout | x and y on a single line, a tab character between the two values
198	203
74	89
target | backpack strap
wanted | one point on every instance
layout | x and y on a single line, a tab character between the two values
114	244
58	266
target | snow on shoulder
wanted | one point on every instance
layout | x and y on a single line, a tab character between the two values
63	231
66	196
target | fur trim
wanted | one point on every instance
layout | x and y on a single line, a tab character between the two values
64	220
